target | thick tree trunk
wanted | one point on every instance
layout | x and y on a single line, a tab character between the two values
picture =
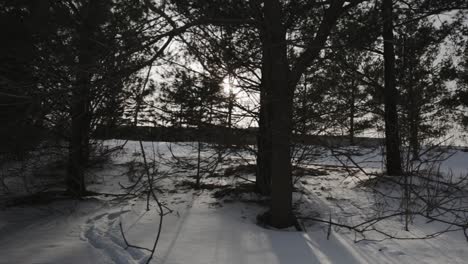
277	90
279	108
263	173
75	179
278	85
79	134
79	110
392	138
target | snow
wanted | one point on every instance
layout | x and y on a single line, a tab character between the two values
205	228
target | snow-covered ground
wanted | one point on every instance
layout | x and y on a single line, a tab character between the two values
218	224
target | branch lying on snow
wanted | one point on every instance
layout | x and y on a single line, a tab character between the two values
128	245
369	226
423	191
150	189
152	193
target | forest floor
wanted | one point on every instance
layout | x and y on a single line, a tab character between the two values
218	222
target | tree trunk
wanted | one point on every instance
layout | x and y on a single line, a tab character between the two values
352	113
228	133
77	155
79	110
199	146
414	133
263	183
414	120
276	103
413	109
230	108
279	107
392	138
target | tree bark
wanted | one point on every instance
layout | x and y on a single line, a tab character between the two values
279	107
75	180
80	101
276	104
263	183
392	137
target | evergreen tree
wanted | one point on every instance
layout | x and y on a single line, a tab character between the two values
76	58
422	86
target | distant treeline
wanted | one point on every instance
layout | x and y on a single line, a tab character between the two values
220	135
